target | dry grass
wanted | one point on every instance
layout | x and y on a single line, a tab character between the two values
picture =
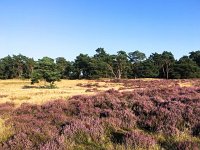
186	84
5	131
20	91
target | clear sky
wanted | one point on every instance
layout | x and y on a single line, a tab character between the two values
66	28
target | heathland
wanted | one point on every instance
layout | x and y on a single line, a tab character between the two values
100	114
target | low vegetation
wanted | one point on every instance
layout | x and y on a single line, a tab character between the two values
21	91
5	131
145	114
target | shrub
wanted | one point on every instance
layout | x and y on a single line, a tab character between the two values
109	120
136	139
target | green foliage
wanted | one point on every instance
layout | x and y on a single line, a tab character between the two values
119	65
136	58
6	68
102	62
163	62
186	68
195	56
147	69
45	69
36	76
64	67
82	67
17	66
102	65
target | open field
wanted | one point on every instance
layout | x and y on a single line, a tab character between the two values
20	91
105	114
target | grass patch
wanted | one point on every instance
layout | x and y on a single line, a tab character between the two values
21	98
5	131
184	140
20	91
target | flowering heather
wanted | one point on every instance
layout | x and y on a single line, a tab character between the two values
6	108
137	139
187	145
132	119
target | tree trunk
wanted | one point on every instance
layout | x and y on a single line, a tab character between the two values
119	74
164	74
167	71
112	71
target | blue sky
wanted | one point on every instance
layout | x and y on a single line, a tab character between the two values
66	28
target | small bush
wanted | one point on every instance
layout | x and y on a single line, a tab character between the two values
136	139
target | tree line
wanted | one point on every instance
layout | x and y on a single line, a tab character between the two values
102	65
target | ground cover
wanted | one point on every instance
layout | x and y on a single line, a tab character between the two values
133	114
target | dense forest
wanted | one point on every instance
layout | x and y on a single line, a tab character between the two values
102	65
